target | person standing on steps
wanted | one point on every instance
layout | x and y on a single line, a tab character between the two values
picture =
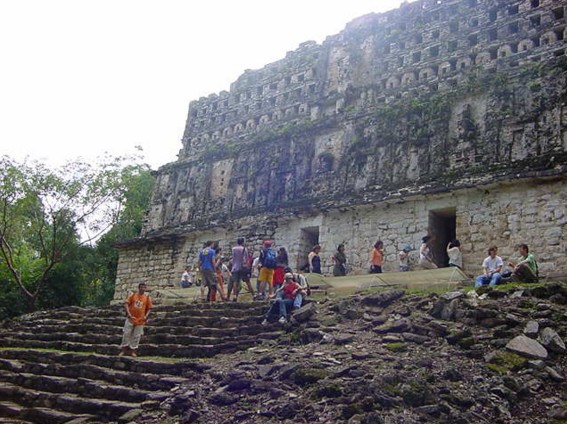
240	270
207	263
138	306
282	262
268	263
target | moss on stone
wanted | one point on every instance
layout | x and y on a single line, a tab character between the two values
307	376
396	347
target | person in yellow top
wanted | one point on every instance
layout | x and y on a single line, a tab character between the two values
138	306
377	257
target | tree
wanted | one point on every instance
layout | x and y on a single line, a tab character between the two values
138	183
46	214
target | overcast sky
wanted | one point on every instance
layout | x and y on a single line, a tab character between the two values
79	78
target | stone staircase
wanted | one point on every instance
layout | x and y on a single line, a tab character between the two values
61	366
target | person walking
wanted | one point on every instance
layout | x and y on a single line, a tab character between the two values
425	254
404	258
137	306
377	257
339	259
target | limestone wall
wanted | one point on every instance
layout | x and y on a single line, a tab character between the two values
527	211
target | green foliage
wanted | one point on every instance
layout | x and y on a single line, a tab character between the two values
138	183
396	347
50	217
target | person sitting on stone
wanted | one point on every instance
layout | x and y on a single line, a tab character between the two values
492	266
305	291
285	298
186	280
526	269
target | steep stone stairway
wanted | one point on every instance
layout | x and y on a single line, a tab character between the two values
62	366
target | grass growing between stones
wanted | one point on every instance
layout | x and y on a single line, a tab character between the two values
504	362
396	347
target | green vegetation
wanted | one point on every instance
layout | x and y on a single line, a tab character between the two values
503	362
396	347
58	227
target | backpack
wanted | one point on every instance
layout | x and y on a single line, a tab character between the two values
269	259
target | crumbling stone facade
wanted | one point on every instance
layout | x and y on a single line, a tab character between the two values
447	117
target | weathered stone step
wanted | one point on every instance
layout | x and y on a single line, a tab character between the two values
103	349
118	364
80	386
81	328
21	415
203	331
64	402
108	344
153	328
143	381
173	320
114	316
92	338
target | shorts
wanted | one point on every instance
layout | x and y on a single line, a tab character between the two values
209	278
266	274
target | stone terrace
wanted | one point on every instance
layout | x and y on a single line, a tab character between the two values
61	366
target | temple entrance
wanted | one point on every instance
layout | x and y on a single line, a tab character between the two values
308	237
443	229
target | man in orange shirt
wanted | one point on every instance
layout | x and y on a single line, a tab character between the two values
138	306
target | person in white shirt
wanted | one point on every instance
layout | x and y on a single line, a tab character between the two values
492	266
186	280
454	253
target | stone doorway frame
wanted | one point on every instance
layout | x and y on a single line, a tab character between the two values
442	228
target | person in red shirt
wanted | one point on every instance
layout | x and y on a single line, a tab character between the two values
138	306
285	297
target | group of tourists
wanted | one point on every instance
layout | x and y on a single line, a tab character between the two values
525	269
214	271
288	290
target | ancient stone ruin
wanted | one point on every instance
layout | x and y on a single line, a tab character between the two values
440	117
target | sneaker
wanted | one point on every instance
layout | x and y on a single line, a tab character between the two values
133	354
282	320
265	322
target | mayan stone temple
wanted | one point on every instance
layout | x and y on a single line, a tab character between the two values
446	117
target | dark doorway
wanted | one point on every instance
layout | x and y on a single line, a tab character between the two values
308	237
442	229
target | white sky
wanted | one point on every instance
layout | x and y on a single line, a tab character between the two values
80	78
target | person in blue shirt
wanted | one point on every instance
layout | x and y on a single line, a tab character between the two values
207	264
